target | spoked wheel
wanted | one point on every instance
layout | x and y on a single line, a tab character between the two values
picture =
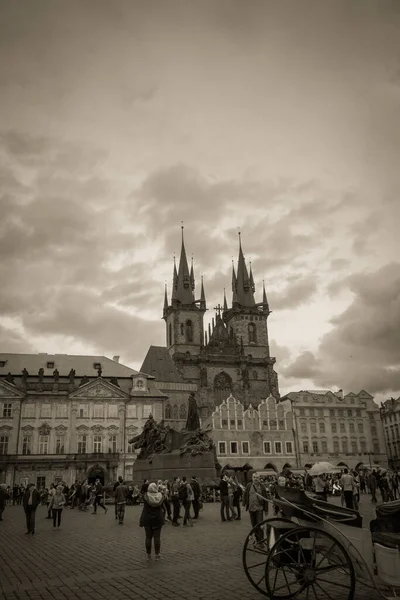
309	564
257	546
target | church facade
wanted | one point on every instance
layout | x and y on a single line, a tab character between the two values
232	357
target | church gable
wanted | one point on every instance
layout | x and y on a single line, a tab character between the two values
99	389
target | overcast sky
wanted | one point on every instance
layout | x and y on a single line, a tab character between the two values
121	119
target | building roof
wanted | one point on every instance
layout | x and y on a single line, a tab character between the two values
83	365
159	364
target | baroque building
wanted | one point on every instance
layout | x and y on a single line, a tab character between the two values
231	357
343	430
261	437
66	417
390	415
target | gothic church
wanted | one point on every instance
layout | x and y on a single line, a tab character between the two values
232	357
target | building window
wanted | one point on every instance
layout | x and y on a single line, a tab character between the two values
336	446
363	446
267	447
28	411
342	428
345	446
3	363
245	448
324	445
43	444
273	425
313	427
360	428
61	411
97	443
302	412
131	449
147	408
182	411
312	412
234	448
252	333
45	411
168	411
83	412
27	445
232	422
60	444
289	448
3	444
224	422
331	412
351	427
7	410
303	427
334	427
305	447
349	412
50	365
97	366
182	329
40	483
278	447
373	430
358	412
340	411
354	447
240	422
132	411
282	424
265	423
375	447
189	331
315	446
113	443
221	447
322	427
82	439
112	411
98	411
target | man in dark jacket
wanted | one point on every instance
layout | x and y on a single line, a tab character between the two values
197	494
121	494
30	502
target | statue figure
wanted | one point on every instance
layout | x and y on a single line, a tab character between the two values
114	381
245	378
25	376
99	371
41	374
85	379
56	375
193	420
203	377
71	375
9	378
198	443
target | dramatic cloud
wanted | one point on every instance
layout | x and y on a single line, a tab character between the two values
280	120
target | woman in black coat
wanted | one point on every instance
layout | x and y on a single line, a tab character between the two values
152	519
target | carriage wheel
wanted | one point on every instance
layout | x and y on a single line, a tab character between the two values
256	548
311	564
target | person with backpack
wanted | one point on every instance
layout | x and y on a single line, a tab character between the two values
98	498
152	519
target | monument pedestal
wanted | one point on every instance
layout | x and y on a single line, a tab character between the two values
173	464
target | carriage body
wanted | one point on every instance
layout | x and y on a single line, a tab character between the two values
319	550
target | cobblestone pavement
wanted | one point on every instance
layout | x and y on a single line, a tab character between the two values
91	557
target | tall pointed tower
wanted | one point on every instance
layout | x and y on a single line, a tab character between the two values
247	319
184	316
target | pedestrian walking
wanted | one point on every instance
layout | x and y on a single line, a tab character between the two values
4	496
175	501
116	484
57	503
121	495
253	502
30	502
98	498
152	519
347	484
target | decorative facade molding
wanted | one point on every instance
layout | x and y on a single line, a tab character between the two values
9	391
100	389
97	429
60	429
82	429
28	429
44	429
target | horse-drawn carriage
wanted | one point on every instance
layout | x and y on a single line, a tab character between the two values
314	550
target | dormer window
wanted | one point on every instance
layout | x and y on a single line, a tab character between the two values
50	365
140	383
3	363
97	366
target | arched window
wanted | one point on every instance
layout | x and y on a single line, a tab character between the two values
222	386
175	412
182	412
189	331
170	334
252	333
168	411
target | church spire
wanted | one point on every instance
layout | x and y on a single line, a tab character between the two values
184	292
234	285
244	288
202	297
174	281
265	301
225	302
253	287
192	283
165	302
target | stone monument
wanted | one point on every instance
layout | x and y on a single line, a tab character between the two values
166	453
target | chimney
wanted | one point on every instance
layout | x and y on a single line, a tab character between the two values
116	359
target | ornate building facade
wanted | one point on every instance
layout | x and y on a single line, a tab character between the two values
343	430
72	420
232	357
390	415
262	437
